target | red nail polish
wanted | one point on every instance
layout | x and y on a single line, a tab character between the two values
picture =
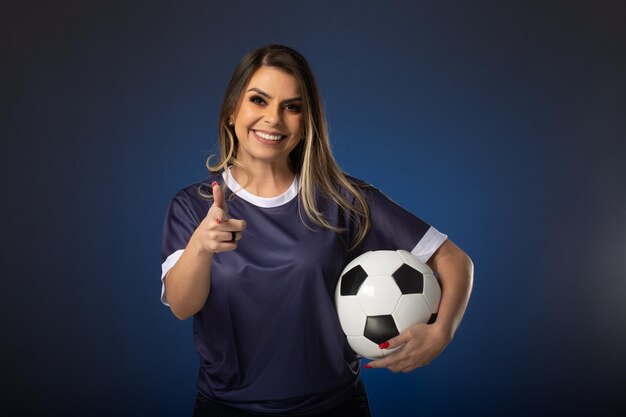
214	183
367	366
383	345
218	221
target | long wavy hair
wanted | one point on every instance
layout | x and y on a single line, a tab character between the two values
311	159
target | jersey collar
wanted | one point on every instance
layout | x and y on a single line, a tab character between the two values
264	202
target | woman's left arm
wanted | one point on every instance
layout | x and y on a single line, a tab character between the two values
420	344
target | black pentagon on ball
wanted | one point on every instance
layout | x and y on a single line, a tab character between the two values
351	281
379	329
409	280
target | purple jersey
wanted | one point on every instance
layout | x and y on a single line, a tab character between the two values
268	337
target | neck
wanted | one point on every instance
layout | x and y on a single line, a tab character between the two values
264	180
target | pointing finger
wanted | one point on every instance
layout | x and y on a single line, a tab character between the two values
218	199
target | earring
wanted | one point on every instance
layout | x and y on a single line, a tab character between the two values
230	123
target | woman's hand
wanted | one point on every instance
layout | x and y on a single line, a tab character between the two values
417	346
217	232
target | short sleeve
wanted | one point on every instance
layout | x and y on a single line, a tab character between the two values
393	228
180	223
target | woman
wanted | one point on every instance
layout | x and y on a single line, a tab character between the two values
255	256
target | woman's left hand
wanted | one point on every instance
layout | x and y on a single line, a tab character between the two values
417	346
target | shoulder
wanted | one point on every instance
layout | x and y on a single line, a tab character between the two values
358	185
368	191
357	182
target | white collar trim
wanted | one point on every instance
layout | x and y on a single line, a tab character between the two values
264	202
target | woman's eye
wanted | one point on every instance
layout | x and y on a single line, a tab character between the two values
296	108
257	100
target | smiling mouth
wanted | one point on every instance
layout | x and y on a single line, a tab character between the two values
268	136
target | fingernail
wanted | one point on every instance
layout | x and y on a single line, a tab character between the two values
214	183
367	366
383	345
218	221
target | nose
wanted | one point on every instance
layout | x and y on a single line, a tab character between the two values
273	115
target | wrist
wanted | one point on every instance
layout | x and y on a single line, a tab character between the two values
197	249
444	330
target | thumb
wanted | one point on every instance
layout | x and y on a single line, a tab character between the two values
218	197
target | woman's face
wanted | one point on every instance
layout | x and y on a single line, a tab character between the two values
268	118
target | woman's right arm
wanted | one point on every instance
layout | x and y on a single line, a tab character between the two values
188	282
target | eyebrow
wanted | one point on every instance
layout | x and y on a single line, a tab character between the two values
264	94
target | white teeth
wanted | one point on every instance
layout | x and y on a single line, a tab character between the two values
268	136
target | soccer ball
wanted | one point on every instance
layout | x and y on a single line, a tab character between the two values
382	293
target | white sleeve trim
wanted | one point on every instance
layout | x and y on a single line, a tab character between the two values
428	244
167	265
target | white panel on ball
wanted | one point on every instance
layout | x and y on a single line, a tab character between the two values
385	262
378	295
411	309
365	347
432	292
351	317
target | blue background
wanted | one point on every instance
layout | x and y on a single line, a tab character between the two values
501	123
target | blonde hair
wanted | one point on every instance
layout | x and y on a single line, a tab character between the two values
311	159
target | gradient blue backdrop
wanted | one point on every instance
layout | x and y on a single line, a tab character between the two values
501	123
